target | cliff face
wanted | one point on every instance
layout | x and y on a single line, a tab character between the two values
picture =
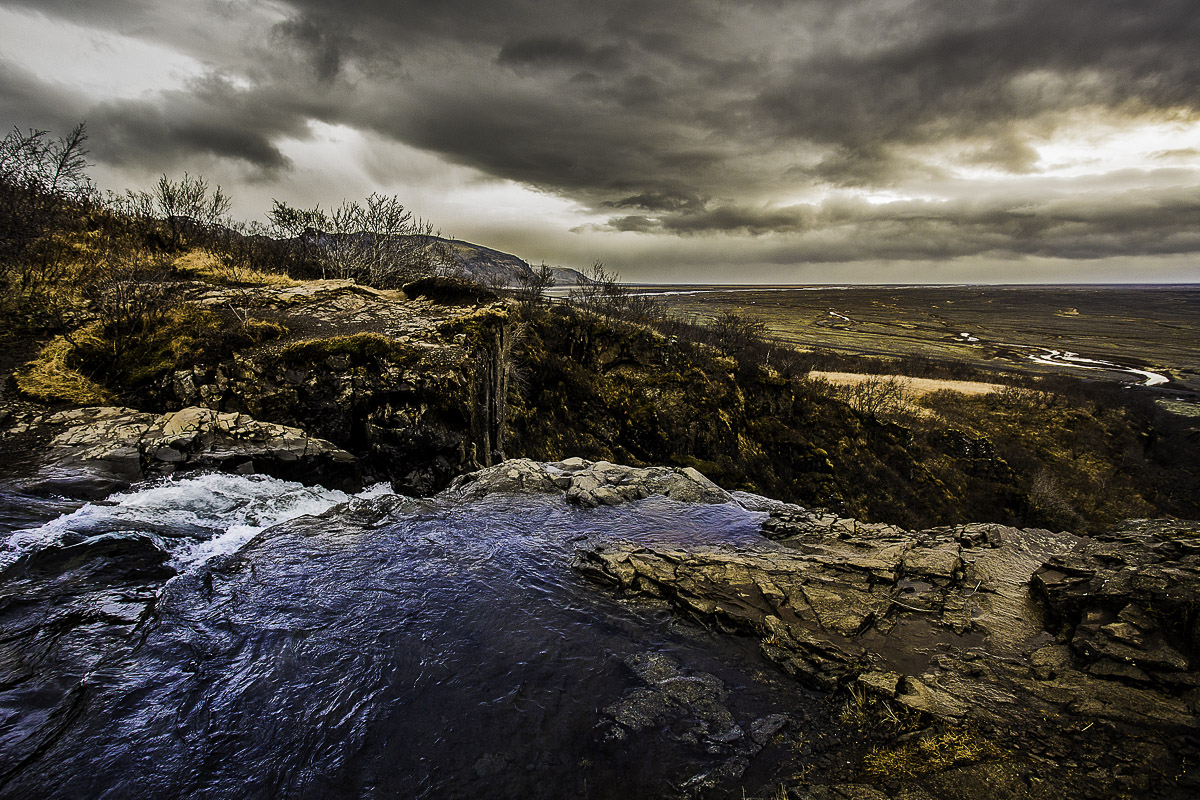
418	396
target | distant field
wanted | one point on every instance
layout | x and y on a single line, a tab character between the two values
1144	335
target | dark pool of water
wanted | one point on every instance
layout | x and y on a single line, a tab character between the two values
395	648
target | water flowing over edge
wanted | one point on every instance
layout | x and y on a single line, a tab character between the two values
206	515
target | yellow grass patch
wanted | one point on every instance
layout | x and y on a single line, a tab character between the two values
913	387
930	753
206	266
49	378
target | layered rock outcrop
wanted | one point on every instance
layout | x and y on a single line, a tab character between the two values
115	445
1077	642
1076	657
590	483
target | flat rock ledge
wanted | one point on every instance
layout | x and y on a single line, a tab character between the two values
589	483
1057	642
118	444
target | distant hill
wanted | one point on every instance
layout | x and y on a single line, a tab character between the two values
492	267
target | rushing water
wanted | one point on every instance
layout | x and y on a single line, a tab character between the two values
202	516
397	648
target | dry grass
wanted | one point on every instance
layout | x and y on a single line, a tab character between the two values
206	266
49	378
913	387
930	753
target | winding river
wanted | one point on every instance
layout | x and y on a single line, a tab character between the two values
1065	358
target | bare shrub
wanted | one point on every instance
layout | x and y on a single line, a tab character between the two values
378	242
44	192
739	335
532	286
1050	501
1025	399
605	295
188	205
130	294
876	395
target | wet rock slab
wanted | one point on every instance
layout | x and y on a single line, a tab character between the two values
690	707
590	483
1078	654
63	611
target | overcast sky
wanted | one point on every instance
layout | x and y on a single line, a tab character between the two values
786	141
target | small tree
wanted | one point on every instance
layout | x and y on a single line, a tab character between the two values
40	179
532	285
44	192
603	294
877	395
300	229
130	296
31	162
189	204
738	334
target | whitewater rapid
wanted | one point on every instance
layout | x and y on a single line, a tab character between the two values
195	518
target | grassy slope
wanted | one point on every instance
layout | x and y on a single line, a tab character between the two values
624	393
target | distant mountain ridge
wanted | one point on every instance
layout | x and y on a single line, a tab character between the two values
493	268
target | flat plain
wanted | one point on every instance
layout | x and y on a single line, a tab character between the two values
1120	333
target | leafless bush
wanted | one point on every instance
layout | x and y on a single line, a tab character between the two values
604	294
1048	499
378	242
189	205
532	286
739	335
130	293
876	395
32	162
44	187
1019	397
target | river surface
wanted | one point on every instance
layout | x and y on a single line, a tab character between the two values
388	648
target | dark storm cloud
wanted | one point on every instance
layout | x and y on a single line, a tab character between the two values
1144	222
320	40
660	200
137	132
1007	152
211	117
975	74
858	80
854	79
28	102
550	51
682	117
